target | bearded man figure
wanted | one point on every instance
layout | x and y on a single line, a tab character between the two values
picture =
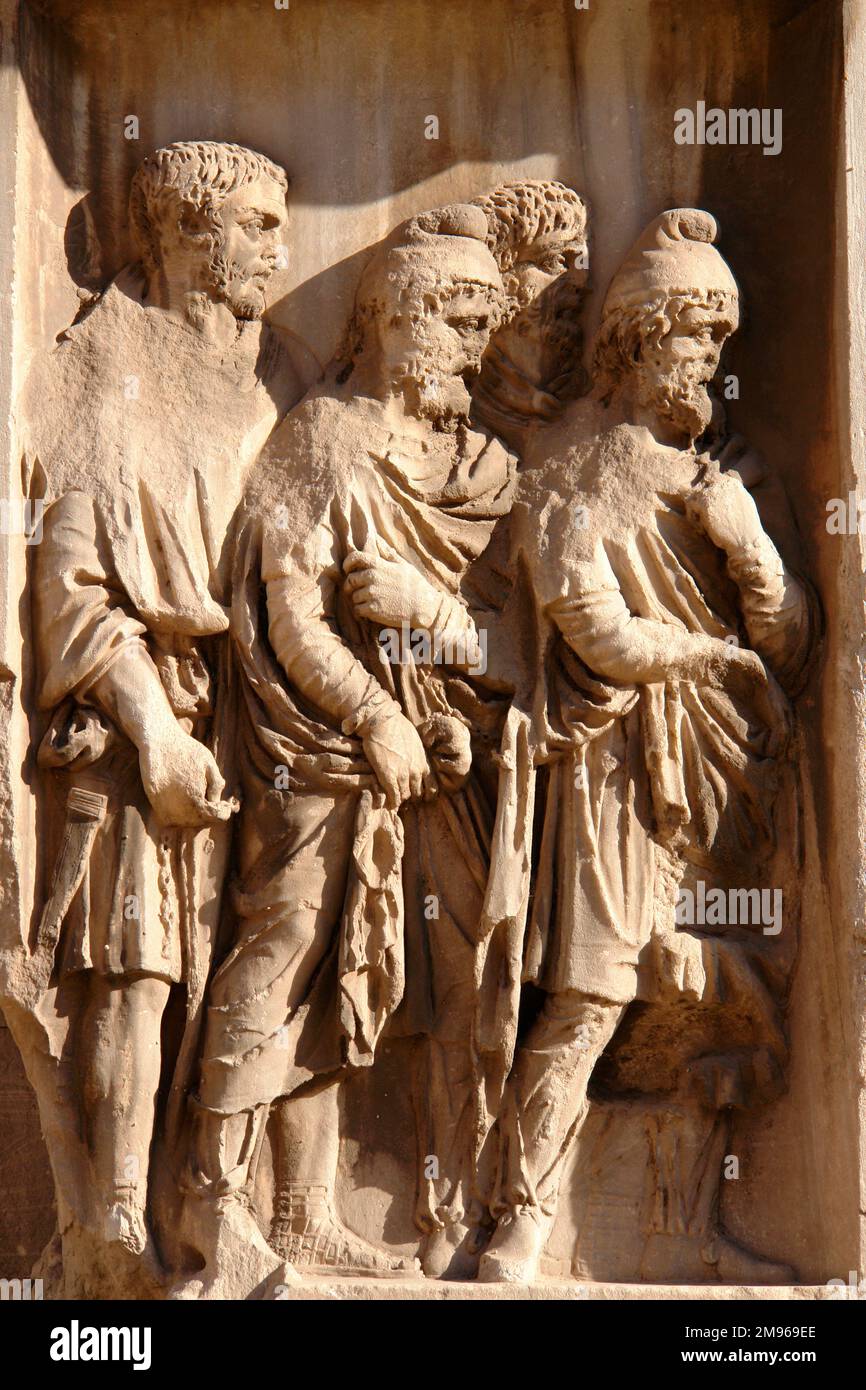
536	231
341	732
662	744
168	386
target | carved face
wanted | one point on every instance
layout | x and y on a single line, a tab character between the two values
546	334
252	222
436	355
545	262
674	372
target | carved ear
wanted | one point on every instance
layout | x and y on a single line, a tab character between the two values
193	222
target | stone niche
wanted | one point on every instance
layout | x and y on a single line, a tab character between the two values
379	110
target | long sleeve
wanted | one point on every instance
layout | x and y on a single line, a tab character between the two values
83	619
301	585
776	609
597	624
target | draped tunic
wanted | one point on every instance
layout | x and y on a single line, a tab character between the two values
642	775
140	437
334	479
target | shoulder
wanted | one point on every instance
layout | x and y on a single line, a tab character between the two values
309	465
300	446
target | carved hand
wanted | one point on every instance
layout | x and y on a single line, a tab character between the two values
396	754
745	671
679	964
386	589
741	666
182	781
725	511
449	747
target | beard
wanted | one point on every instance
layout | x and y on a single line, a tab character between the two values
444	404
679	396
242	292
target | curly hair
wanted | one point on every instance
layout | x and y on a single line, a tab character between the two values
527	213
623	332
520	214
201	173
410	286
424	295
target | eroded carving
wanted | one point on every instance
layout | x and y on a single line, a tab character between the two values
424	722
168	386
668	630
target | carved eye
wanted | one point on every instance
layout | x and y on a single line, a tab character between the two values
465	326
554	264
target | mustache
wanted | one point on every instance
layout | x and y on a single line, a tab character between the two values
241	286
681	396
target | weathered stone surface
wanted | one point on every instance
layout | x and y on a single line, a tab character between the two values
27	1212
431	801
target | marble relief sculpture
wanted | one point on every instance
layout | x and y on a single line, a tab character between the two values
412	716
668	633
378	459
129	624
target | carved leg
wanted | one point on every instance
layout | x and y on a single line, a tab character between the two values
449	1210
306	1230
446	861
218	1220
289	906
545	1103
120	1058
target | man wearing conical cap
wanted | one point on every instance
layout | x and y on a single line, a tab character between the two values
666	629
377	461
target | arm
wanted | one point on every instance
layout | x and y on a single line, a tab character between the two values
386	589
775	605
309	646
598	626
83	619
91	649
301	592
776	608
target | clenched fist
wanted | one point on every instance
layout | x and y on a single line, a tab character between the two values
450	750
386	589
181	780
396	754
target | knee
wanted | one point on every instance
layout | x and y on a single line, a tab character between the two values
584	1021
118	1002
146	995
276	964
